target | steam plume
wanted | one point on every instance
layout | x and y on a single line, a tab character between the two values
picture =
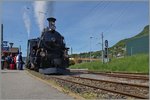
50	9
27	22
42	9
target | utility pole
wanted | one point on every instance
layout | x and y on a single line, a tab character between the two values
1	37
2	32
90	48
71	50
20	48
102	48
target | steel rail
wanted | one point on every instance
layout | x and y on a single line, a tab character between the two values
121	76
114	91
115	74
129	73
108	81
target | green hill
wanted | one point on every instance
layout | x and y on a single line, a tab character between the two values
144	32
118	47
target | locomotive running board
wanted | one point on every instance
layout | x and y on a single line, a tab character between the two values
53	70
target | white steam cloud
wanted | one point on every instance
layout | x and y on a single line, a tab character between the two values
39	11
42	10
27	21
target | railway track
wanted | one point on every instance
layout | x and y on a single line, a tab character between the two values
131	90
135	76
114	82
129	73
104	89
123	75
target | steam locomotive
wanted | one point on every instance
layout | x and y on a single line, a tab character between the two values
48	53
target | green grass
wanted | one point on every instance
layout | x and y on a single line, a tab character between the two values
136	63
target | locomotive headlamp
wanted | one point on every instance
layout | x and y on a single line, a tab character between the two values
53	39
52	23
43	54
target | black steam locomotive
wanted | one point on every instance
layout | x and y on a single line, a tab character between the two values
48	54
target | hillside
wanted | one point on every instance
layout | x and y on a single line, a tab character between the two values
144	32
118	47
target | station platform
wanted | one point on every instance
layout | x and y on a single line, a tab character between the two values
17	84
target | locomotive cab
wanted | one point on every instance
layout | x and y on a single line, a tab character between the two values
31	52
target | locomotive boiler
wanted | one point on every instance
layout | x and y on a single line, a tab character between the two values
48	53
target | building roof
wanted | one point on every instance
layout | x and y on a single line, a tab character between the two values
12	50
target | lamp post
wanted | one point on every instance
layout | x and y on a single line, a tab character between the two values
101	50
102	47
11	44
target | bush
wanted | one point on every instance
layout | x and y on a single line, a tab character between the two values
71	62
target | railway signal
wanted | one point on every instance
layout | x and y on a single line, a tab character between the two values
106	43
106	51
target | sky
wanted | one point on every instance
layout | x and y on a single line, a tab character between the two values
77	21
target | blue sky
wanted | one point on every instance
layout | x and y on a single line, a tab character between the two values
77	21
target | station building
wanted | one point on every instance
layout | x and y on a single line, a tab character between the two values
7	50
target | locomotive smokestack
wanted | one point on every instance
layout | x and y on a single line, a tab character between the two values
51	21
